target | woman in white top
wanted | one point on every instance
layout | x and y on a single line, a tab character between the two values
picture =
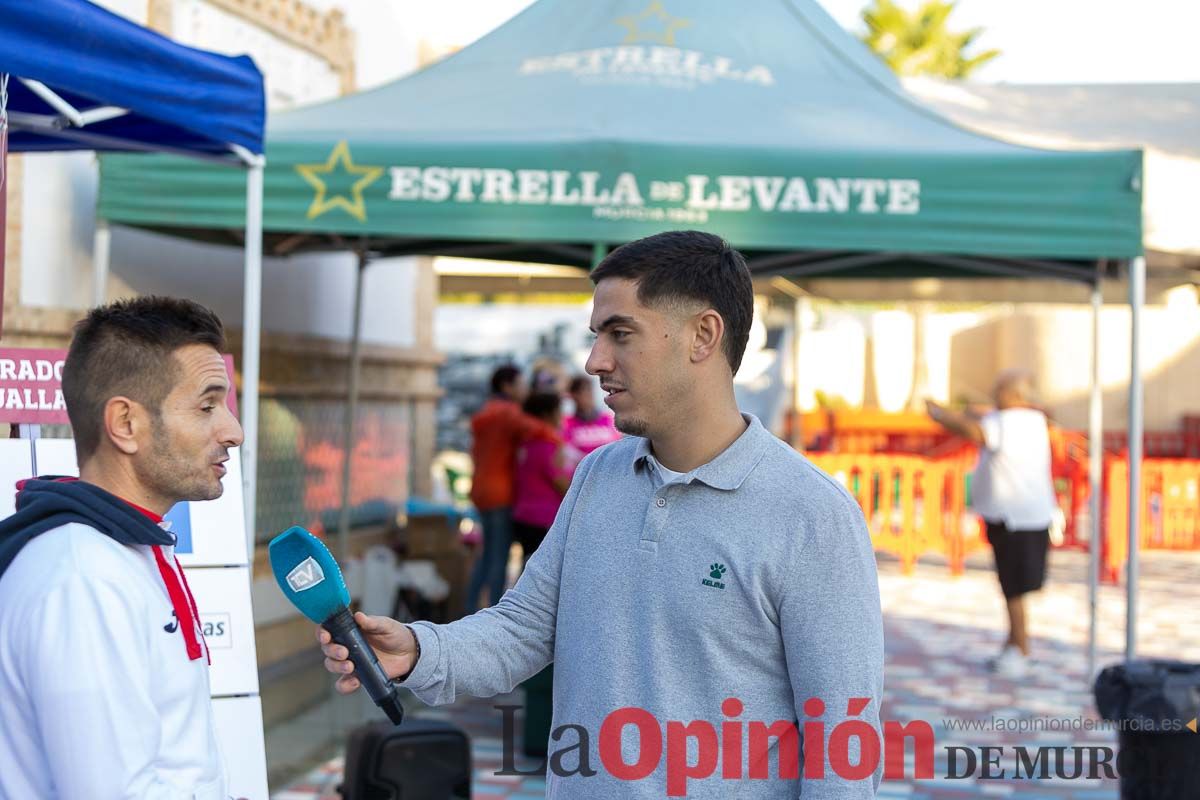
1013	491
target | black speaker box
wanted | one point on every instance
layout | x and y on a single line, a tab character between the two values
416	760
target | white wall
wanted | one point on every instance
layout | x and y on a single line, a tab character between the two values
304	294
833	360
293	76
940	329
390	33
1054	342
58	202
386	37
505	327
135	10
965	350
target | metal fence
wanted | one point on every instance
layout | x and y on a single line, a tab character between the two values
300	457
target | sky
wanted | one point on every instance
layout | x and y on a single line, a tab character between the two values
1042	41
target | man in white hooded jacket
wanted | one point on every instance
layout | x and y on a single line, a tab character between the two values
103	665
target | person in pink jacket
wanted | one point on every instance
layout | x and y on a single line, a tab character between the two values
542	475
589	427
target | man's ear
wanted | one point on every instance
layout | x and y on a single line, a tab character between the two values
124	420
709	331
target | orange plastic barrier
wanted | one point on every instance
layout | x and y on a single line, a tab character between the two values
914	506
1069	469
1170	509
867	431
1159	444
910	478
859	431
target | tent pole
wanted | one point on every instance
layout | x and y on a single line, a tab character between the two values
1137	297
1095	474
3	189
251	336
101	252
351	410
801	311
599	251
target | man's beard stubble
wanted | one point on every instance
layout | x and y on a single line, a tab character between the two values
170	474
631	426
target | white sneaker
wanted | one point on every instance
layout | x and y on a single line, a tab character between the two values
1011	663
994	660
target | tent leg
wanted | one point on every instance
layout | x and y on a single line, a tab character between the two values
1137	297
351	410
1095	475
801	311
3	197
101	252
599	251
251	337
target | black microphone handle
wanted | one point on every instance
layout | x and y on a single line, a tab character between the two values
345	631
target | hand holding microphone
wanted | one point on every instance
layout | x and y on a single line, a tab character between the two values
393	643
310	578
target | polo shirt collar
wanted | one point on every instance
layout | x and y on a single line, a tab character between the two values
731	467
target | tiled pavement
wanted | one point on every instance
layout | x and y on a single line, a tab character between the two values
939	630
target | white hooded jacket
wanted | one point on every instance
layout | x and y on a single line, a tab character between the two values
101	698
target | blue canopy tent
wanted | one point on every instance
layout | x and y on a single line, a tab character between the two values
74	76
121	86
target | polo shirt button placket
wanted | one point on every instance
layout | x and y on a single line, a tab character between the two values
660	502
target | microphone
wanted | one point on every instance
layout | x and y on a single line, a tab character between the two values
310	578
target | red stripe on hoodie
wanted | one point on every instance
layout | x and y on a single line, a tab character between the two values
177	587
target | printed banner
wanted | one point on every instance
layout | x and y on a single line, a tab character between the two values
31	386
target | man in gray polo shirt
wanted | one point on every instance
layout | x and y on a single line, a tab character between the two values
708	597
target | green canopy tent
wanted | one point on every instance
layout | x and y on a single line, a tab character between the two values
578	123
578	126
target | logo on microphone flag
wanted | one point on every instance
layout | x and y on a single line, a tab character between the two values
305	575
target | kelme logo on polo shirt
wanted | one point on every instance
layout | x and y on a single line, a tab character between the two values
715	573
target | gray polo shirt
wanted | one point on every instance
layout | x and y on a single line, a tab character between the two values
751	578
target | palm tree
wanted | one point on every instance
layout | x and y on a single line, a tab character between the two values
914	43
918	42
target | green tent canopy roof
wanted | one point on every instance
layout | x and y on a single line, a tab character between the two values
601	122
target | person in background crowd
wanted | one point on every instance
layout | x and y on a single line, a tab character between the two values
103	663
547	376
496	431
1013	491
589	427
543	475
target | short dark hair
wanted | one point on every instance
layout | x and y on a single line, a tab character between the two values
541	404
579	383
689	265
125	348
503	376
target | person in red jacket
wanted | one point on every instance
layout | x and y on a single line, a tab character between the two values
496	431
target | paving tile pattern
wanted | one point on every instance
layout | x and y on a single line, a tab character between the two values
939	632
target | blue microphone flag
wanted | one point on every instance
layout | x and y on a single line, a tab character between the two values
307	574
